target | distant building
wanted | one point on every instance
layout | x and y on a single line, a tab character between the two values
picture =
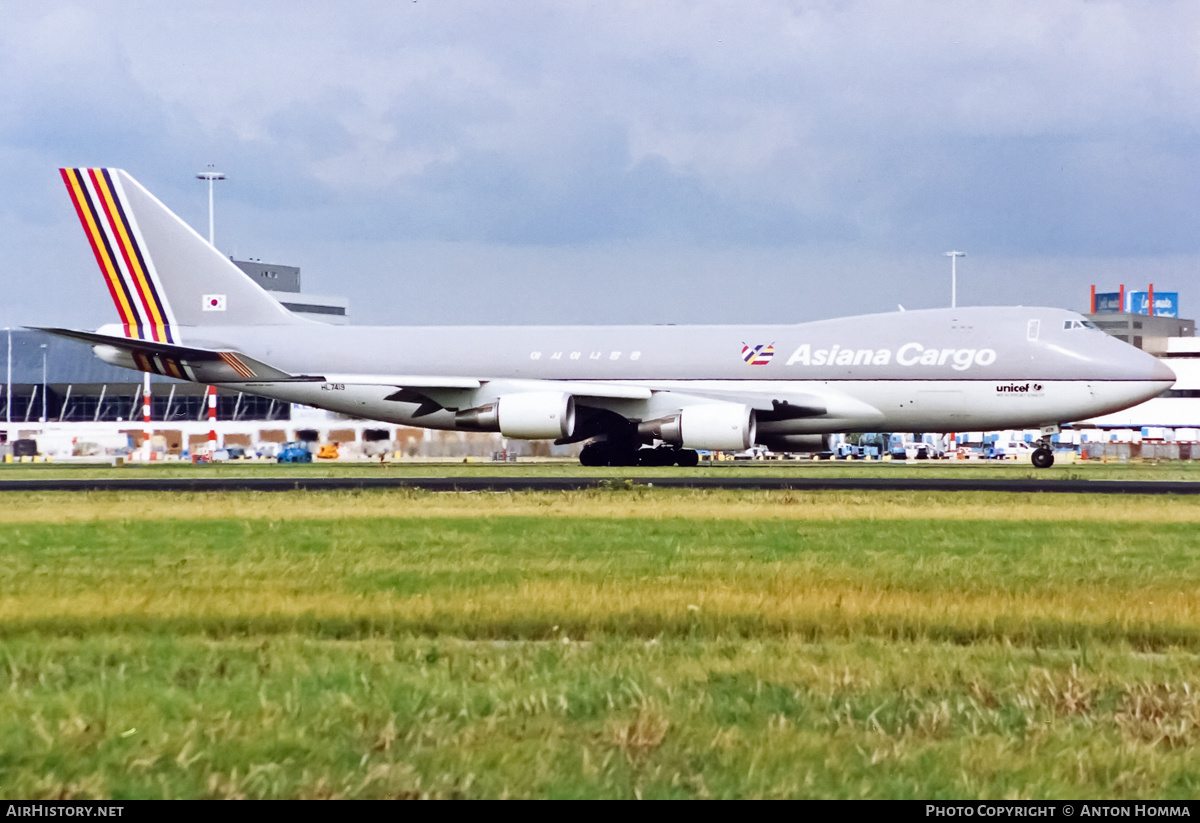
1146	319
1147	332
284	283
1129	316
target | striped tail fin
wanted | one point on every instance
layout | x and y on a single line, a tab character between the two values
161	274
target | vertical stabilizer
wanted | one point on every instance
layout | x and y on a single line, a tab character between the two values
160	272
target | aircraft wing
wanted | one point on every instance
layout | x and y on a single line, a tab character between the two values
785	404
434	393
633	401
578	388
454	393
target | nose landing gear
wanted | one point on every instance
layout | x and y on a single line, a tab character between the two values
1043	455
1043	458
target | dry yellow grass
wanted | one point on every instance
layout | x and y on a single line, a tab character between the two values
839	607
40	507
806	591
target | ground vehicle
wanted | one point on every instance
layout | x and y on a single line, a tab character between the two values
755	453
329	451
294	452
24	448
915	447
923	451
863	451
1001	449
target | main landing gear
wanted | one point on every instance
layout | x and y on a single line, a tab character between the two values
607	453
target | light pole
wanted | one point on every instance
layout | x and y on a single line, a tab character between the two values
954	255
210	175
44	418
8	385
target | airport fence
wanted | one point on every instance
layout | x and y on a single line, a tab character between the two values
1140	451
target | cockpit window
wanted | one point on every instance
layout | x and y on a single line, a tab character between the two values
1078	324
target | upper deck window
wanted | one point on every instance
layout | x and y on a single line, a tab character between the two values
1078	324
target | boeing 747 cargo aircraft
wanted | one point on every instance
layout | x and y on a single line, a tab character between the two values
637	394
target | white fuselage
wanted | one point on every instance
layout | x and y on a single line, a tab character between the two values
935	370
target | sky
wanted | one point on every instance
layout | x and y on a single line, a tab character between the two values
618	162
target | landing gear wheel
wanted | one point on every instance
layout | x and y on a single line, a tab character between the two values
594	454
624	457
606	453
662	456
668	456
1042	458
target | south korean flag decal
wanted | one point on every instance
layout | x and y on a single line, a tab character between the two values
214	302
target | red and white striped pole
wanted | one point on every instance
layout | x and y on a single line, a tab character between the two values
147	451
212	420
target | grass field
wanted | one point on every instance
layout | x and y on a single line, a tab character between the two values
608	643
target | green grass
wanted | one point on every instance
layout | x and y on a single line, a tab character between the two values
599	644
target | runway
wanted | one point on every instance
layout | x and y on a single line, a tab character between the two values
519	484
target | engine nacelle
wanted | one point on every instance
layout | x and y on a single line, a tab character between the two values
722	426
803	443
114	356
525	416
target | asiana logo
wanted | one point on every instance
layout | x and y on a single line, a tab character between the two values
759	355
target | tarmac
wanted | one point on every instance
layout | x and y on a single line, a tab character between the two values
516	484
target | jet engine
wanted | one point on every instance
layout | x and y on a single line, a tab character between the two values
717	426
525	416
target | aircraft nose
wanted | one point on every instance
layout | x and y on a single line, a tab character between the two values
1162	372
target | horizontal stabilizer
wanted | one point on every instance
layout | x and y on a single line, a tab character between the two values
181	362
